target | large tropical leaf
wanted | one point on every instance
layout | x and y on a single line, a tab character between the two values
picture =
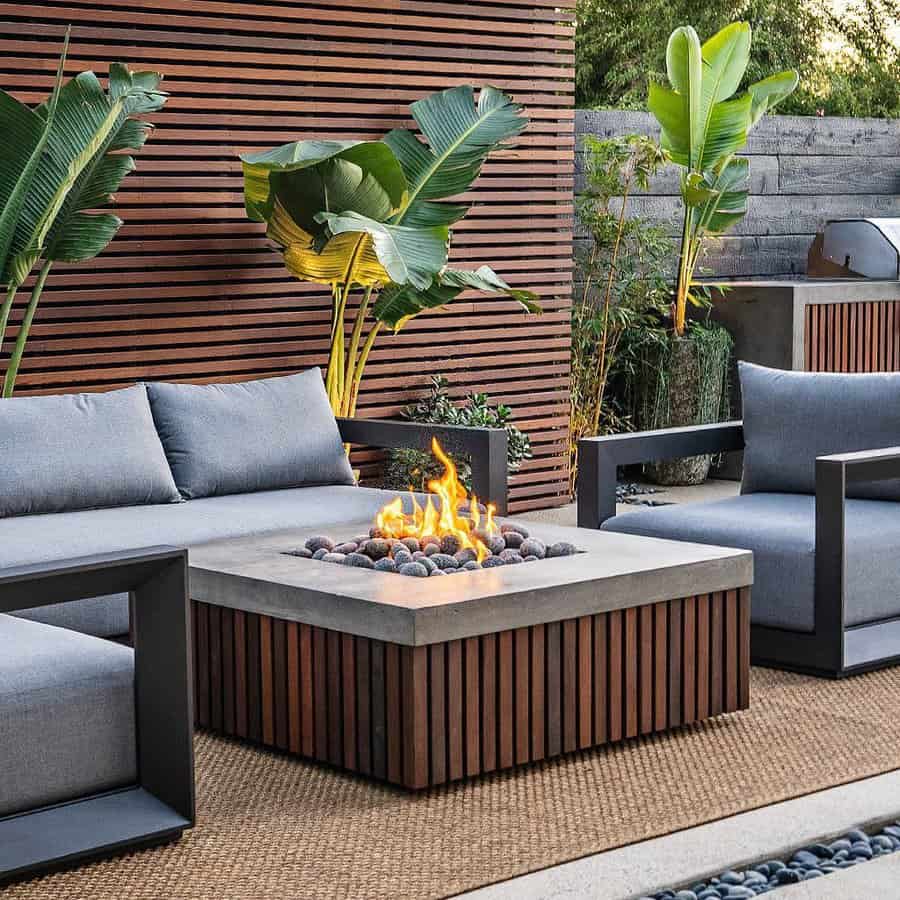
409	255
19	160
460	135
769	92
373	158
397	304
346	259
75	173
732	188
701	127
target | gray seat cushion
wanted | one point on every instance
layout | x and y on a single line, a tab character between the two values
80	451
67	714
780	530
38	538
253	436
790	418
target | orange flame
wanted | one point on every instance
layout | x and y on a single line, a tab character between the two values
443	519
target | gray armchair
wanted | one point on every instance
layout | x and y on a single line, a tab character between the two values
819	509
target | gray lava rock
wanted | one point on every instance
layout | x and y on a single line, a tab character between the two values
496	544
428	563
334	557
347	547
471	565
411	544
386	564
429	539
375	532
511	556
450	544
431	548
436	572
444	561
318	542
402	558
467	554
377	548
513	539
492	562
415	569
533	547
359	560
418	554
359	540
530	559
514	526
561	548
322	551
301	552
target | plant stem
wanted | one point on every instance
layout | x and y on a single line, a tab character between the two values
352	352
12	370
357	375
685	271
5	311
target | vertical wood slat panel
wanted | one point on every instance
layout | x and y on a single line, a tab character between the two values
191	287
455	725
852	337
422	716
215	667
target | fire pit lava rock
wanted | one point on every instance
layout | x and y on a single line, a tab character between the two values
431	555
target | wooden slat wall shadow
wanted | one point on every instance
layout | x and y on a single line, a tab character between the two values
190	290
421	716
852	337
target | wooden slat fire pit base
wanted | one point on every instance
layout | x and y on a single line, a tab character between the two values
424	715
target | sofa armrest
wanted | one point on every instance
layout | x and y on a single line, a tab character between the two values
599	457
834	474
487	448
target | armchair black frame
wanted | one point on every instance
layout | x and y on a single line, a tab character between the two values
487	448
832	649
160	806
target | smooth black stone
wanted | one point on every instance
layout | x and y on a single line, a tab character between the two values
787	876
807	858
856	836
322	551
840	844
822	851
731	877
883	841
813	873
861	849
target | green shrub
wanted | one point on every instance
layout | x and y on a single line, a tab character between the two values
406	467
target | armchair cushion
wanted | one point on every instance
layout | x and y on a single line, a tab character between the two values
780	529
790	418
251	436
81	451
67	708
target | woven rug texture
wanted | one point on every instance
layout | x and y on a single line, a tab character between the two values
273	826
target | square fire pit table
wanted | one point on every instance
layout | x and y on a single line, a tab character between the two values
420	681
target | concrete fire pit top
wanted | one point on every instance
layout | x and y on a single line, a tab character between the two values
612	571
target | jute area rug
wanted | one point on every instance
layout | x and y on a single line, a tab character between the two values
271	826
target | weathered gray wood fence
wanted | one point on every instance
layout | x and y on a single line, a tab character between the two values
804	171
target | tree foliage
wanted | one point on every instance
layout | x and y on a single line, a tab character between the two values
621	47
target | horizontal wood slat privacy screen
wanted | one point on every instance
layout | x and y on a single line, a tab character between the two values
189	289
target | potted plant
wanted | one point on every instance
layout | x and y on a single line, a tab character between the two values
365	219
704	124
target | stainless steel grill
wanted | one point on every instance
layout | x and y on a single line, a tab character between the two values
856	248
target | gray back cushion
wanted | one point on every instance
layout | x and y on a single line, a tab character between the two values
81	451
252	436
790	418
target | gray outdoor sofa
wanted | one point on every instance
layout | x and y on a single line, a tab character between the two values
100	477
819	507
185	464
